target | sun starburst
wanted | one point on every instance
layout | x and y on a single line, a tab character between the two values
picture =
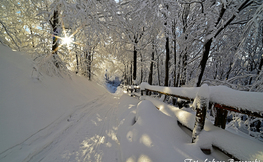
66	40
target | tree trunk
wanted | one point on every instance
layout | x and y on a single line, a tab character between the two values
131	74
184	63
229	70
174	41
261	60
55	39
260	65
215	76
208	43
158	71
166	80
206	50
134	63
125	76
31	32
150	80
141	69
77	60
167	48
186	12
179	71
89	65
129	70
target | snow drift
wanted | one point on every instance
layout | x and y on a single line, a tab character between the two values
240	147
147	134
28	105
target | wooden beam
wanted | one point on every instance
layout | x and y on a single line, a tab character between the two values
249	113
221	106
168	94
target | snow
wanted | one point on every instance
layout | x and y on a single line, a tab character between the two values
111	88
144	85
201	101
240	147
203	91
224	3
204	140
149	135
239	99
50	116
28	100
189	92
201	97
186	118
62	119
251	101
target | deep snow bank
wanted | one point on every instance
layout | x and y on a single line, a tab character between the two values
28	105
240	147
147	134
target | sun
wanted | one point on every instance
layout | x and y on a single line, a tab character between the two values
66	40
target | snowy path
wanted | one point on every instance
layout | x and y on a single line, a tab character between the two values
87	134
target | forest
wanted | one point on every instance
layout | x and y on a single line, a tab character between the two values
62	62
172	43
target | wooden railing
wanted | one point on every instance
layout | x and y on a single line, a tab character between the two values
201	96
220	107
131	88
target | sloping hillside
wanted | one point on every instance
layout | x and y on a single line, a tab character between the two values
28	105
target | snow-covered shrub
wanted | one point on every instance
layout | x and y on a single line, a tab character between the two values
51	66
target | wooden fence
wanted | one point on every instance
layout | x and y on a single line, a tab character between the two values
201	97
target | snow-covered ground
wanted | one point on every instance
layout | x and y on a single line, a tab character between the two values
111	88
241	146
62	119
53	119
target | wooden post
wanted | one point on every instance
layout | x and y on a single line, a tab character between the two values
201	103
220	118
132	89
148	92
